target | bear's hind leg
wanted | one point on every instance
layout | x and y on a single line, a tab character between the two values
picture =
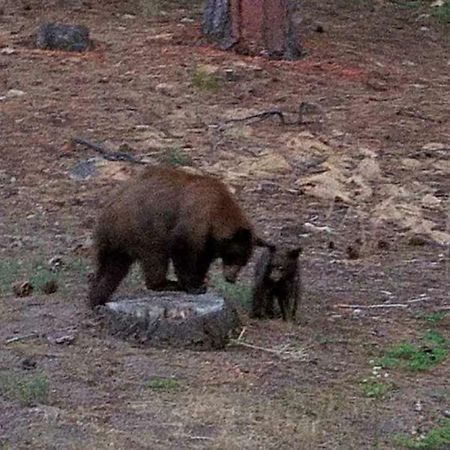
112	268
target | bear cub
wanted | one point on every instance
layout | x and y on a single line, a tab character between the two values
277	275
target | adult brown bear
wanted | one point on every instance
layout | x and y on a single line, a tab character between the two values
169	214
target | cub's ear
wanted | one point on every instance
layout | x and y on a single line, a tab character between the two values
259	242
293	254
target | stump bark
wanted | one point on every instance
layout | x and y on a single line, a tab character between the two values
175	319
255	27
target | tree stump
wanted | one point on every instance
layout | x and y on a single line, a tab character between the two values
70	38
174	319
255	27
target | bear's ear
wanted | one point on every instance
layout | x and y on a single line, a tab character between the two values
293	254
259	242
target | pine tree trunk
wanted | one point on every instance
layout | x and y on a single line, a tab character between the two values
255	27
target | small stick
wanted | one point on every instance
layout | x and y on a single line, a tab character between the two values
21	338
108	155
280	353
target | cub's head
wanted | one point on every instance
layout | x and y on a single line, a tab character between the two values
283	262
236	251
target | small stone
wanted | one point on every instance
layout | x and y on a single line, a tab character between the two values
383	245
166	89
446	413
15	93
418	406
352	252
22	288
28	364
49	287
61	338
8	51
56	263
418	240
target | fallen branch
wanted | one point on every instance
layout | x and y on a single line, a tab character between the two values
387	305
262	116
108	155
383	305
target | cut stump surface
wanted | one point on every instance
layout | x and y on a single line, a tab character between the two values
173	319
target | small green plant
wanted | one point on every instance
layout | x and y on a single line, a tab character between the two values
204	80
373	388
436	439
41	276
432	318
162	384
176	157
442	12
432	351
28	392
10	271
239	293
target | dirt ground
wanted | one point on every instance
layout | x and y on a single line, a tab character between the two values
368	167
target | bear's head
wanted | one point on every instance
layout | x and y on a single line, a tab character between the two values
283	262
236	251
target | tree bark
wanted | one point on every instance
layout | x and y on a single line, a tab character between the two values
255	27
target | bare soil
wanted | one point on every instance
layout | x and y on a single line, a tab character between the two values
372	164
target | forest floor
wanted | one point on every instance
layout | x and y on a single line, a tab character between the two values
367	167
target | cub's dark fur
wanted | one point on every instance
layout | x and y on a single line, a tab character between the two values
170	214
277	275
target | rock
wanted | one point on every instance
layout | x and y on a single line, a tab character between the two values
15	93
168	89
71	38
49	287
22	288
352	252
56	263
28	364
61	338
8	51
176	319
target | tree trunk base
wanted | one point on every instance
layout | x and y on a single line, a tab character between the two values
253	27
173	319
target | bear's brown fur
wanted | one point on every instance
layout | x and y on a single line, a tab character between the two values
277	275
169	214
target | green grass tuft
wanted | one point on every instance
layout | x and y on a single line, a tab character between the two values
436	439
442	13
28	391
205	81
238	292
432	351
163	384
374	389
176	157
